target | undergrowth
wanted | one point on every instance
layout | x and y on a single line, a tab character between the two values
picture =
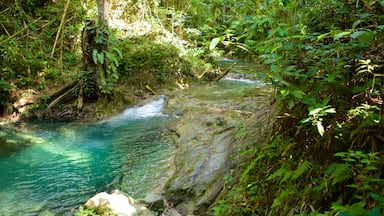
326	154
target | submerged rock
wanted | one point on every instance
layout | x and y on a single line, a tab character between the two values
117	203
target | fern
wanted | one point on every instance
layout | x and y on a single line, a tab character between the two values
301	169
338	172
279	173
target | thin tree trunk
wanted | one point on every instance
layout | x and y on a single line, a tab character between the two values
103	11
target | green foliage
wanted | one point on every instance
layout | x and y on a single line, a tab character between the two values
108	56
151	62
27	36
325	65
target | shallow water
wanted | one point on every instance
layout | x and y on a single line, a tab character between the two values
66	164
61	165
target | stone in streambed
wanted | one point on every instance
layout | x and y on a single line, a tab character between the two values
117	203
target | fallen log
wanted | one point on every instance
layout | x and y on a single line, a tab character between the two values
225	72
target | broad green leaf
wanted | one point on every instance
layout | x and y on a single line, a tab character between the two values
282	32
314	111
356	23
275	68
330	110
94	55
377	197
291	104
214	42
298	94
357	34
100	58
284	92
367	38
340	35
375	212
306	120
112	57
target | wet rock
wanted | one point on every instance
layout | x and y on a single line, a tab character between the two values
154	202
207	148
117	203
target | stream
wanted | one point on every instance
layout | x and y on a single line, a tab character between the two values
61	165
67	163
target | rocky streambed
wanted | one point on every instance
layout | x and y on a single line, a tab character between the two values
215	122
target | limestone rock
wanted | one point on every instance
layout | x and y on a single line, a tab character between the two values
117	203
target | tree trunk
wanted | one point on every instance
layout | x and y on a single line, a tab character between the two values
103	11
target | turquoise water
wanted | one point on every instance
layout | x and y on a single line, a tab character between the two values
66	164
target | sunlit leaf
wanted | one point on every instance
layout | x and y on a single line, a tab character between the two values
214	42
314	111
340	35
320	128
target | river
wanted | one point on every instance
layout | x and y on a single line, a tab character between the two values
67	163
64	164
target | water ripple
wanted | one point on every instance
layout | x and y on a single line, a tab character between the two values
73	162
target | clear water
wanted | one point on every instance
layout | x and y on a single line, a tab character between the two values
63	165
66	164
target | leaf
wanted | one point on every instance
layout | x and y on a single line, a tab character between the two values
320	128
338	172
94	55
279	173
320	37
112	57
340	35
298	94
5	86
100	58
291	104
214	42
330	110
356	23
118	52
246	171
302	168
377	197
367	38
375	212
314	111
357	34
282	32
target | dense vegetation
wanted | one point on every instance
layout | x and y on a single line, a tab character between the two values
47	60
325	60
326	64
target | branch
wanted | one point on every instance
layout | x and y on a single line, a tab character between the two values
60	27
225	72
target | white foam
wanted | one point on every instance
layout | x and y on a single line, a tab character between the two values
247	81
152	109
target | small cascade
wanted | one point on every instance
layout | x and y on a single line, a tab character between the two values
152	109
